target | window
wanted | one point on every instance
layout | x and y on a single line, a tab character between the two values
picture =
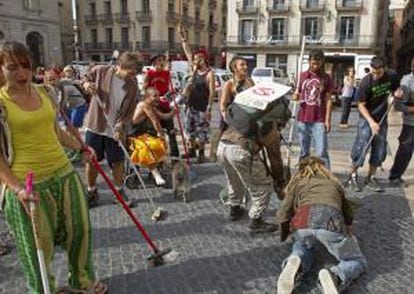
108	36
107	7
92	8
312	28
247	3
124	6
171	6
146	37
278	29
125	37
347	28
197	38
247	30
94	36
312	3
278	4
185	9
146	5
171	37
348	3
210	41
277	61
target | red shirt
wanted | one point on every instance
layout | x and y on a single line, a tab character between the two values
313	89
160	80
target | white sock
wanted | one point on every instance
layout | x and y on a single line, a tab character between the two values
157	177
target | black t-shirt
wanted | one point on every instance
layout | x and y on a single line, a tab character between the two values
375	93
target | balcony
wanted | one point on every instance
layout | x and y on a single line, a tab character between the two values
212	4
172	17
101	46
198	2
187	21
251	8
106	18
91	19
309	6
158	46
199	24
122	18
143	16
275	8
349	5
212	27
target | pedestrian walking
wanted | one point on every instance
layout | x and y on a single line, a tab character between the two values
372	96
406	138
315	108
315	210
31	140
116	88
348	91
200	92
240	159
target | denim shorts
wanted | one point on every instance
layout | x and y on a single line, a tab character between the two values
105	147
378	145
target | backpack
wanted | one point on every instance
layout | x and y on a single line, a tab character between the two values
252	122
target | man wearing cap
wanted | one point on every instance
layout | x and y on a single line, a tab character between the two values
200	91
160	79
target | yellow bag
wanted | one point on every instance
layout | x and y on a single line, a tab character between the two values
147	150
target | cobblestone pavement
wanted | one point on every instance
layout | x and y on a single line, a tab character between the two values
219	256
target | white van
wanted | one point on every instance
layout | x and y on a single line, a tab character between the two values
269	75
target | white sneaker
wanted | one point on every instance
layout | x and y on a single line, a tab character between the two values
327	282
286	281
159	181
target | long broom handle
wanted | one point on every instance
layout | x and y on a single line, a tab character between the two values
112	187
295	103
39	251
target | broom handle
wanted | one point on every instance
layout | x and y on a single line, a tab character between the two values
39	251
112	187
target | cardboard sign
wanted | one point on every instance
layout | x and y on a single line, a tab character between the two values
261	95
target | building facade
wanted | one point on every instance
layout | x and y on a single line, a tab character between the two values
269	32
405	50
149	26
35	23
67	30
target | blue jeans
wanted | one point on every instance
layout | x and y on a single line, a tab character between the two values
316	130
378	144
344	248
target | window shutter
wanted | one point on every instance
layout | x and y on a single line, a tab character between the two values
357	35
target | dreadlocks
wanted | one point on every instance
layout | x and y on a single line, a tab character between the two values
309	167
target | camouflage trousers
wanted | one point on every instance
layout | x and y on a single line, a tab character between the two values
244	172
196	126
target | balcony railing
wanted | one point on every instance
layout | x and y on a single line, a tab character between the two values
358	41
106	18
251	8
101	46
274	7
187	20
158	46
349	5
143	16
312	6
199	24
198	2
172	17
212	4
122	17
91	19
212	27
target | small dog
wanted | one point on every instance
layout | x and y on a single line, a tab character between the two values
181	180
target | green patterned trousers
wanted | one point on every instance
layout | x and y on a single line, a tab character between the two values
62	218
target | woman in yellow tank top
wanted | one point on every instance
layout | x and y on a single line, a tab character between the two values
30	140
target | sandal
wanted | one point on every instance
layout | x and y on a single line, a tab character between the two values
97	287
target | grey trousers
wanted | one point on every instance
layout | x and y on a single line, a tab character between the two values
243	173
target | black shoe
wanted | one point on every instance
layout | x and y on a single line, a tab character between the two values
132	182
128	201
328	282
398	182
372	184
236	212
353	184
201	157
258	225
93	198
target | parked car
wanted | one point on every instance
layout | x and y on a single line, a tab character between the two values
269	75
